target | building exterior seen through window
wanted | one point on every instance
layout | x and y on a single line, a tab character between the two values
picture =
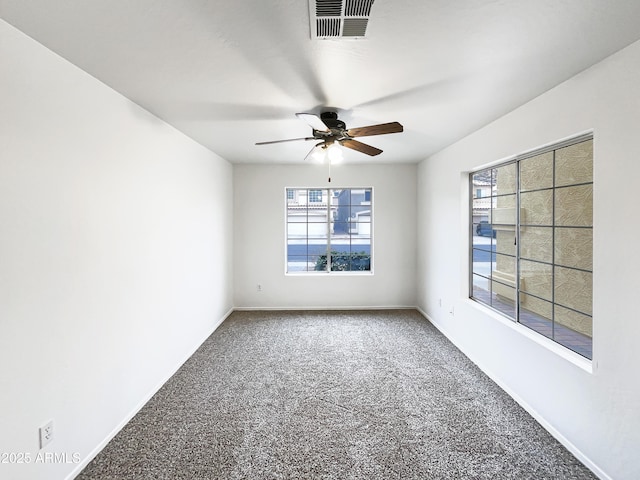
329	230
531	241
315	196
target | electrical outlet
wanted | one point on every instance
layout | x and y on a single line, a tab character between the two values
46	433
259	287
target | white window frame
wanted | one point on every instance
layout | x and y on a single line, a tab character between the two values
328	194
518	258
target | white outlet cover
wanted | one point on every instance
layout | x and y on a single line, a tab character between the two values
46	433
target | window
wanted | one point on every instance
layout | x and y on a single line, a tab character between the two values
531	241
329	230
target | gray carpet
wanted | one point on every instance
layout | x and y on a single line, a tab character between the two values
331	395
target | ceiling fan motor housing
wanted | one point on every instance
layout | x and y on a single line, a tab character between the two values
330	119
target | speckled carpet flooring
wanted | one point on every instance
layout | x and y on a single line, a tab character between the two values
331	395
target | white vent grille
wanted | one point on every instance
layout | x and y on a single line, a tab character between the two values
357	8
339	18
354	27
328	8
328	27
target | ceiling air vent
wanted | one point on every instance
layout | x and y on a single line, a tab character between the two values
339	18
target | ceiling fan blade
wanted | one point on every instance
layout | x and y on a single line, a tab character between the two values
383	128
361	147
313	121
283	141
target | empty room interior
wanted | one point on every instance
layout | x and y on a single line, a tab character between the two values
179	180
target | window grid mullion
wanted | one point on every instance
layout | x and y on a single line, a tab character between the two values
553	248
517	240
493	180
307	229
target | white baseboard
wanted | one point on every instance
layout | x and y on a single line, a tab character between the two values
80	466
325	307
539	418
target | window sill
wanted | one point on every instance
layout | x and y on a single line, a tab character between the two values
330	274
556	348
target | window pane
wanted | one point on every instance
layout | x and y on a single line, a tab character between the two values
505	242
317	231
317	219
484	240
536	172
317	247
504	211
297	263
315	196
480	287
361	250
574	320
573	289
317	263
482	180
358	196
536	243
574	206
536	314
505	269
574	331
504	179
536	208
483	236
297	230
341	228
503	299
360	229
574	164
574	247
296	248
361	215
483	259
481	203
483	262
536	279
342	213
346	261
360	261
341	248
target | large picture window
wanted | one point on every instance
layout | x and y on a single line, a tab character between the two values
531	241
328	230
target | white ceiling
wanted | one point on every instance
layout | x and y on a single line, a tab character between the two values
229	73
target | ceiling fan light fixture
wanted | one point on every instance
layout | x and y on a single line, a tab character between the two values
334	153
318	155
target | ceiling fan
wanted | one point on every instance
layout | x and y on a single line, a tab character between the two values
330	130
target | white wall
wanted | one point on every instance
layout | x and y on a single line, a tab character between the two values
115	255
596	414
259	258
